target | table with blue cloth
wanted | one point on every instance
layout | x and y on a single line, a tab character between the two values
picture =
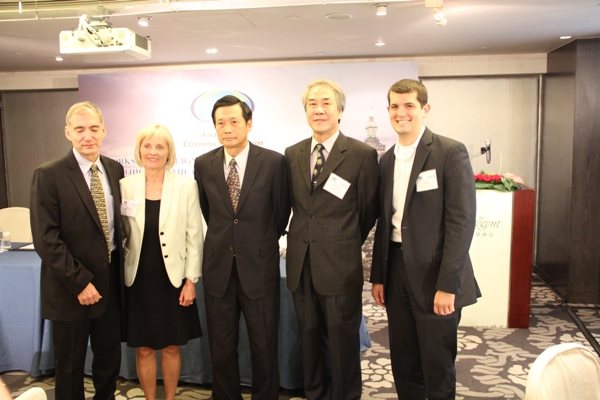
26	339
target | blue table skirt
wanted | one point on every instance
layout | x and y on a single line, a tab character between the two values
26	339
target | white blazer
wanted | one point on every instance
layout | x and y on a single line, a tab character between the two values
180	226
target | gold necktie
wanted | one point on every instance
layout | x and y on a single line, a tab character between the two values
98	196
233	184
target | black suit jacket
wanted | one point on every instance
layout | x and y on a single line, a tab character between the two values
68	236
437	225
334	228
252	233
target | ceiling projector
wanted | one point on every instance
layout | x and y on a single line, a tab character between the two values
101	42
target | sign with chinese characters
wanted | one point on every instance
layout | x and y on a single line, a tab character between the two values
490	254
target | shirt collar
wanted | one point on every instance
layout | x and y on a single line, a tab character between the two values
328	144
405	152
85	164
240	159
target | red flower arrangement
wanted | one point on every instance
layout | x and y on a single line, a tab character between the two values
504	183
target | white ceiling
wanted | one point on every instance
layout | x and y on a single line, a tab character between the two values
267	30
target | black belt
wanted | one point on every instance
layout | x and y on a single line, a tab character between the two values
397	245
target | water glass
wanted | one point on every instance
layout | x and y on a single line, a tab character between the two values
6	245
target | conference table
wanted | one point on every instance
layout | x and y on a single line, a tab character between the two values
26	338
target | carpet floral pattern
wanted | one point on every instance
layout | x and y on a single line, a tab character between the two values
492	363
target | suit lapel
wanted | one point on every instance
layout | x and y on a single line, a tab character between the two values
252	167
335	158
304	162
166	199
113	182
420	157
83	189
216	167
388	163
139	195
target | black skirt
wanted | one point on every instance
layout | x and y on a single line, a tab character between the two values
156	319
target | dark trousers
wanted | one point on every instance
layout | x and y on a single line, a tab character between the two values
329	327
70	341
422	343
262	320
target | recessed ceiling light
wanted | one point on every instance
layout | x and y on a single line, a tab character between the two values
319	53
293	17
211	51
380	43
381	9
338	16
144	21
565	37
59	58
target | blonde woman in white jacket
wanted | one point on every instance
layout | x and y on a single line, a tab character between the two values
163	251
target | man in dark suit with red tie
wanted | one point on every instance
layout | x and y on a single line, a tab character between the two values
245	200
334	185
75	221
421	269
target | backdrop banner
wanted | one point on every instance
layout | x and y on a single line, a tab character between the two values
182	100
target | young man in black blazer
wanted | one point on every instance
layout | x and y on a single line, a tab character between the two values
421	269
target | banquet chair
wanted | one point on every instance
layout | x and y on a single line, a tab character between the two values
35	393
567	371
16	221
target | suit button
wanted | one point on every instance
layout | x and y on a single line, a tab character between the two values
164	244
167	256
313	216
162	233
235	221
230	247
305	240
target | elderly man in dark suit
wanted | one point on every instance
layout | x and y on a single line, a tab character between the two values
334	187
245	199
75	221
421	268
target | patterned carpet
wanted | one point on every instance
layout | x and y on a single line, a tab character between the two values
492	363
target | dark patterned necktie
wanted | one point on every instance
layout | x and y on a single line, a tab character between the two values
318	165
100	202
233	184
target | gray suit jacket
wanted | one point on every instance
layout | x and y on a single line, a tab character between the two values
437	225
253	231
333	228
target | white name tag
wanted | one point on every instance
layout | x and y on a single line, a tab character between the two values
427	180
337	186
129	207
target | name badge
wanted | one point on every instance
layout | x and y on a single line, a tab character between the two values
129	207
427	180
337	186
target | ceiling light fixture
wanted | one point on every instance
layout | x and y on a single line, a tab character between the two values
20	8
144	21
381	8
211	51
380	43
439	17
565	37
58	58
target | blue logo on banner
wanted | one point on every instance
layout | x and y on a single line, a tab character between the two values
202	105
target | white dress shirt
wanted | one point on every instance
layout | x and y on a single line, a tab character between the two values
86	169
405	157
241	161
327	146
